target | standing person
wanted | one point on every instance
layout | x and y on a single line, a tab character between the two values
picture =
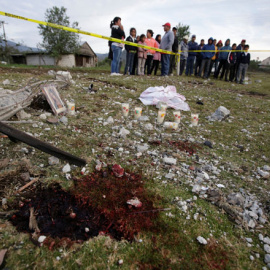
199	58
239	48
131	51
117	32
219	46
166	44
207	58
184	54
213	59
223	56
175	50
142	55
243	65
157	56
192	46
135	61
150	41
231	64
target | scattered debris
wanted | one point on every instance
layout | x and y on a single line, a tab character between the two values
220	114
201	240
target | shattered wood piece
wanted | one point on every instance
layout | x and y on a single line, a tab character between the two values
28	184
45	147
2	255
33	221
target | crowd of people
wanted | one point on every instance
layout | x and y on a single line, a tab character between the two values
230	62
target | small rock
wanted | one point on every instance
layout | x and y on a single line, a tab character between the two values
123	132
220	114
266	168
196	188
118	170
23	115
58	258
110	120
144	118
266	240
4	201
66	168
251	258
64	120
263	174
149	126
249	240
251	224
267	258
201	240
266	248
142	148
41	239
120	262
236	199
135	202
51	73
43	116
208	143
169	161
53	160
6	82
170	175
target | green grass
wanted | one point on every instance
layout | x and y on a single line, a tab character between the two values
172	245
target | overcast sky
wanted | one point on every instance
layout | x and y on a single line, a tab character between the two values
221	19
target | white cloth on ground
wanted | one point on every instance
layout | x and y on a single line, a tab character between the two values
169	95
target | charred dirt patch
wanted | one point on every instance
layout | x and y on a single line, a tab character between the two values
99	203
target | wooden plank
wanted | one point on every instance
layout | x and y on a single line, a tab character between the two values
44	147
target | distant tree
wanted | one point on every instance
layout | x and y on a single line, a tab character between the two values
182	30
57	41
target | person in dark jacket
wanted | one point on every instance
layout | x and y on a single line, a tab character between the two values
207	58
175	50
244	61
117	32
231	64
131	51
199	58
223	56
135	61
192	46
239	48
184	54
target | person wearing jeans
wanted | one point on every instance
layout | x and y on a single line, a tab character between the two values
206	61
192	46
184	54
131	51
166	44
117	32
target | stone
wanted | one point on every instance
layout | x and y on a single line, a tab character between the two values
41	238
63	76
236	199
266	248
4	201
23	115
110	120
53	160
266	240
149	126
261	237
201	240
170	175
208	143
66	168
51	73
43	116
266	168
220	114
144	118
249	240
6	82
123	132
263	174
196	188
267	258
169	161
142	148
251	258
251	223
64	120
25	176
195	216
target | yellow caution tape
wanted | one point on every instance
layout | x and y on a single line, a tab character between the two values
66	28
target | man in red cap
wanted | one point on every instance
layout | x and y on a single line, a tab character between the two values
239	48
166	44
